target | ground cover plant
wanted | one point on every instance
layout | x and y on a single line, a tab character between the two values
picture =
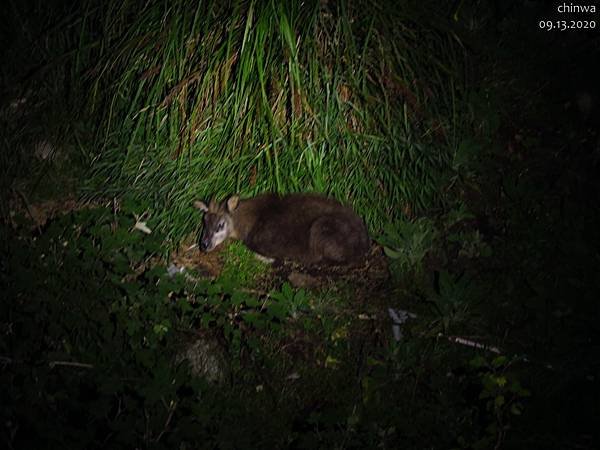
93	332
473	322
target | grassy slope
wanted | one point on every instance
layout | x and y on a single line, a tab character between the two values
358	100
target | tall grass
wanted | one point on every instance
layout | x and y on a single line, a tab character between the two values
198	99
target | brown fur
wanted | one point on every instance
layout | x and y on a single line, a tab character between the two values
307	228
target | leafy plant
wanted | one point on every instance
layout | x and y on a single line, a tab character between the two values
453	299
503	398
471	243
295	300
407	243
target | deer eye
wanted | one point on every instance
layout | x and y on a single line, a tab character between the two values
220	226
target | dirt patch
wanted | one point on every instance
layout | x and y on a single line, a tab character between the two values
372	272
189	255
39	213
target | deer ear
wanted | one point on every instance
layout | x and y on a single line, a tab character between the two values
200	205
232	203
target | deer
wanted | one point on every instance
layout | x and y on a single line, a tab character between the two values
305	228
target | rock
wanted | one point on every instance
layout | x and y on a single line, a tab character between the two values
206	359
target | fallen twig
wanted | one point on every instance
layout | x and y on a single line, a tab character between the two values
470	343
53	364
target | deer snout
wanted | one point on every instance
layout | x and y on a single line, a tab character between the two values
204	244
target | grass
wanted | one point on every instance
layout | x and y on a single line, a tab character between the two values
206	99
242	266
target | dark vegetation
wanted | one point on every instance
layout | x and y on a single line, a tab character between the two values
465	136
